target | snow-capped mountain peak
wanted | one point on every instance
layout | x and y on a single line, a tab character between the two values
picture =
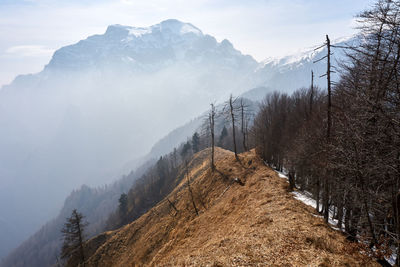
147	48
308	54
166	27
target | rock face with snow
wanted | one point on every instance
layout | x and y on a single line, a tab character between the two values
291	72
149	49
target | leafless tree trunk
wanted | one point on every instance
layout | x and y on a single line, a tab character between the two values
317	189
328	77
244	123
212	124
232	113
311	92
190	190
328	133
398	227
172	205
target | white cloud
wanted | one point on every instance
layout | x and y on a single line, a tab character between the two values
29	51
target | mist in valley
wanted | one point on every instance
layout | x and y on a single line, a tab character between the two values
89	117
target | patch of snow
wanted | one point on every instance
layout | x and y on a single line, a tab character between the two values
392	259
188	28
305	199
128	59
282	175
305	54
137	32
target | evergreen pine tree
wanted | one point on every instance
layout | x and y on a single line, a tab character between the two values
195	142
73	234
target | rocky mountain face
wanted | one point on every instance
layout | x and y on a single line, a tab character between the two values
292	72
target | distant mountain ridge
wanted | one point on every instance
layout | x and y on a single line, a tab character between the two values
293	71
146	48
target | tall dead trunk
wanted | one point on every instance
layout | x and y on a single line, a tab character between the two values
232	112
311	93
243	124
291	180
328	133
397	208
326	199
212	123
190	191
340	212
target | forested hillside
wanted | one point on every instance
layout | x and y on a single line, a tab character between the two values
343	146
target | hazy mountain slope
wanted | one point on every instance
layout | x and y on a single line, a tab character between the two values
100	103
175	137
43	248
199	124
259	223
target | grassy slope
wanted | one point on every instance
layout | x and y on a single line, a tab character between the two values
258	224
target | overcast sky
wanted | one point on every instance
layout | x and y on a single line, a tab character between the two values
31	30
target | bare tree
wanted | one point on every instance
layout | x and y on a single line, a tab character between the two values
231	109
244	122
311	92
172	205
211	118
190	190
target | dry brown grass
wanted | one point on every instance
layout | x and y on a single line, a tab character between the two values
258	224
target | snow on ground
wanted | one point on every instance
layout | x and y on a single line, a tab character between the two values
306	198
281	175
392	258
303	197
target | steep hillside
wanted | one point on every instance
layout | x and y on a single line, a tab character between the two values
246	217
43	247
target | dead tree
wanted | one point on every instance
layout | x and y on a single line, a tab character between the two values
244	122
328	133
329	123
397	210
231	109
211	118
328	78
172	205
190	190
311	92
